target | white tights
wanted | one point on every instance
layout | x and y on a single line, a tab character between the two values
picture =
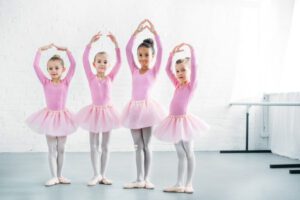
143	154
56	147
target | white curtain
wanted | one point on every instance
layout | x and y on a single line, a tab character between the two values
284	126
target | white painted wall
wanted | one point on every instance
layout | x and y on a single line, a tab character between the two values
212	27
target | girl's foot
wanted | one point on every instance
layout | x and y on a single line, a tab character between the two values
105	181
189	189
52	181
149	185
136	184
94	181
63	180
176	189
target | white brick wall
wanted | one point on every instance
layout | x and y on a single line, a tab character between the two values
210	26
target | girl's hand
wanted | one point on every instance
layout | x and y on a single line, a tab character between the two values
60	48
188	45
150	27
46	47
113	39
95	37
140	27
177	48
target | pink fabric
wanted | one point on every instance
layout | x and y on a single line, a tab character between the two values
142	83
179	125
100	89
52	123
182	94
100	116
142	111
55	120
141	114
98	119
175	128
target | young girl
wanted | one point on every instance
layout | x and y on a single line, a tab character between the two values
141	113
54	121
100	116
180	127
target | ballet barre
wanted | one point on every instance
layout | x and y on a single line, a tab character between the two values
248	106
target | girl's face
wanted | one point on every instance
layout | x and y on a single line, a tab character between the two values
182	72
145	56
101	63
55	69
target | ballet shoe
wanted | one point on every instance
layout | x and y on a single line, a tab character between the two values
51	182
94	181
134	185
149	185
189	189
63	180
105	181
175	189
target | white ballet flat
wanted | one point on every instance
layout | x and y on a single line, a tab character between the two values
105	181
94	181
63	180
133	185
175	189
52	181
189	189
149	185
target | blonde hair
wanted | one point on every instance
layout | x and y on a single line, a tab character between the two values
100	53
57	57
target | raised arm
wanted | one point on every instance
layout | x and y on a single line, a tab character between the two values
193	77
170	74
71	70
71	60
117	66
86	63
129	54
157	64
36	64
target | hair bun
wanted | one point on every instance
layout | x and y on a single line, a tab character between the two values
148	41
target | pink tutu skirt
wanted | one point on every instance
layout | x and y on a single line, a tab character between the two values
180	127
141	114
54	123
98	119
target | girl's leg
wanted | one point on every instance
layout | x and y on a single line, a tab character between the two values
52	158
147	136
61	142
139	146
181	163
188	147
94	146
52	155
105	152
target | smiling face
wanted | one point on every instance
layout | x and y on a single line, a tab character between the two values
55	68
182	72
101	62
145	56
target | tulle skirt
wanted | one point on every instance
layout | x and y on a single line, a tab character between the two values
175	128
52	122
141	114
98	119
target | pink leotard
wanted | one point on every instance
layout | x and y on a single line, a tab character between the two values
182	94
100	89
142	83
55	94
